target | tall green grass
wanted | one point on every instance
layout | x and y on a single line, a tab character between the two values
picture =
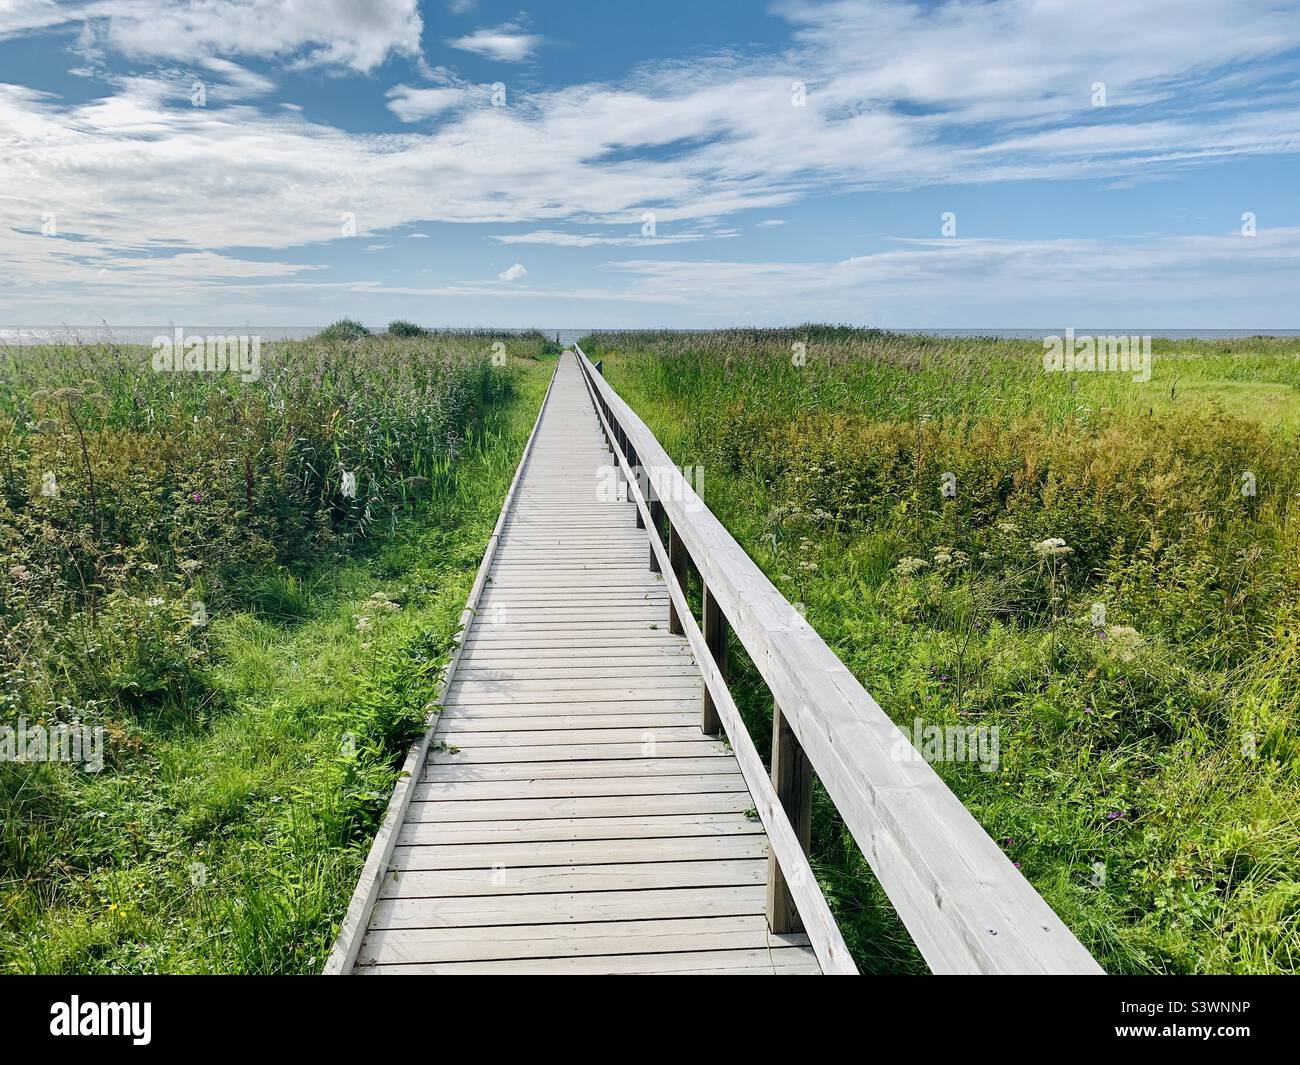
1149	754
248	761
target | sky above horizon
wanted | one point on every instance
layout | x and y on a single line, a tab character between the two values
895	163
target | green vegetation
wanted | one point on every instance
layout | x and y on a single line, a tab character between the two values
251	587
344	329
1112	585
406	329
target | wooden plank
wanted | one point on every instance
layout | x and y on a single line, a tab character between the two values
642	736
579	692
685	750
545	686
586	767
453	720
786	960
641	876
571	907
566	787
578	852
626	826
571	940
664	708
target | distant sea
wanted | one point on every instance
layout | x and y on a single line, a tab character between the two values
145	334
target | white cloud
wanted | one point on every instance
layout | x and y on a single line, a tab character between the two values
512	273
951	282
412	105
899	95
508	43
590	240
308	32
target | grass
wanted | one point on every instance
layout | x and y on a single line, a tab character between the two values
1142	677
239	796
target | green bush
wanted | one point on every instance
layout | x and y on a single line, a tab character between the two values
401	328
344	329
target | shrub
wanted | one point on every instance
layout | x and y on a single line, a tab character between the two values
344	329
402	328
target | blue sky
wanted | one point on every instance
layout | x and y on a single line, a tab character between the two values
590	164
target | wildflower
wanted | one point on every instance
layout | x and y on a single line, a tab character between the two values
808	565
20	573
1116	815
196	497
189	565
156	600
1125	641
1008	527
363	623
1052	547
905	567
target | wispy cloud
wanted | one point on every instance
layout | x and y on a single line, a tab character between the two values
560	239
360	36
512	273
508	43
412	104
895	95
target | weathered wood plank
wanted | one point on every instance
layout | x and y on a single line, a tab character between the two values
624	826
477	911
785	960
574	853
572	940
577	787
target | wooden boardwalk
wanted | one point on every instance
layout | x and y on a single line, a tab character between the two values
573	808
569	814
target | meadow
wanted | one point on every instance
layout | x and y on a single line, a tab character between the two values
1103	569
250	586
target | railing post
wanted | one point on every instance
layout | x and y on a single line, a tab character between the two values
677	563
792	777
715	638
656	530
636	472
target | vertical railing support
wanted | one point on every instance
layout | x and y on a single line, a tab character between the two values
656	530
677	562
636	472
715	638
792	777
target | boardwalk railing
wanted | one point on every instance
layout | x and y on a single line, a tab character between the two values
966	906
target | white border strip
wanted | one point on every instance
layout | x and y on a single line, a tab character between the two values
357	919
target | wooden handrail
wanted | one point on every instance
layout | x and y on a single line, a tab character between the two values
967	908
